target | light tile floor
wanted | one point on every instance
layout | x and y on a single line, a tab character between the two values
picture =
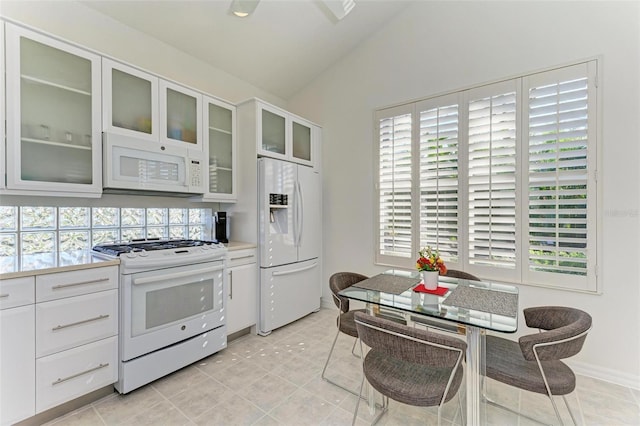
275	380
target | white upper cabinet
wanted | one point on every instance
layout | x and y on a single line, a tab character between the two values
145	107
180	115
53	116
129	101
284	135
219	123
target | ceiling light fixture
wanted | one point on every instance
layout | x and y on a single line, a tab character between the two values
243	8
340	8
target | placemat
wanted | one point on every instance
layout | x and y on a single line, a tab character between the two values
388	283
478	299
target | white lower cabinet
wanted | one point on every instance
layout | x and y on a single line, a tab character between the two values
17	364
58	339
242	299
69	374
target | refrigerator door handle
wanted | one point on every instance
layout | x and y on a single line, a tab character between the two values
300	213
295	271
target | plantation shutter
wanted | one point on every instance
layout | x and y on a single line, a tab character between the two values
492	230
394	184
438	169
561	189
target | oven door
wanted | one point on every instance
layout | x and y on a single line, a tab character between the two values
166	306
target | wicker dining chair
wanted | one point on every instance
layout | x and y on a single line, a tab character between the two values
412	366
533	362
345	322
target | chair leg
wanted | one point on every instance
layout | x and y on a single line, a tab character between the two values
564	397
355	412
461	409
327	363
335	339
555	408
511	410
353	349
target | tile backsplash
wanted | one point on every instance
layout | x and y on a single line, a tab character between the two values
39	229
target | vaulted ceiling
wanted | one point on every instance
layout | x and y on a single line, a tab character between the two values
280	48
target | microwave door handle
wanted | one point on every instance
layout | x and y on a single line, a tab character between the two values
176	275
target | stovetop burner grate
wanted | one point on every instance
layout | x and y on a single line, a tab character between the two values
117	249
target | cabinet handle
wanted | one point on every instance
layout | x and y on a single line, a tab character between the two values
60	327
57	382
59	286
231	285
2	296
241	257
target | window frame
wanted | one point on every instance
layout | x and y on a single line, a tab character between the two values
522	274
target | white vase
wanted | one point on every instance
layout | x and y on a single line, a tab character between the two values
430	279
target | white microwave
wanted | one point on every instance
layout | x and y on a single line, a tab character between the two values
132	164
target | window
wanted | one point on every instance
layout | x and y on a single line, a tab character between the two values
500	178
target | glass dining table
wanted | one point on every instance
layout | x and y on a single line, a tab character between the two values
470	308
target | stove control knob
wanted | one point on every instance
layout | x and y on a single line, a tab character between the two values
131	255
144	253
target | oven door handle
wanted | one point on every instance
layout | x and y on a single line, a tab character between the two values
175	275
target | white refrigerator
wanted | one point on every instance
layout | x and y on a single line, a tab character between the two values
289	204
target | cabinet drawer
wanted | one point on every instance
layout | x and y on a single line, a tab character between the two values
74	283
241	257
76	372
17	292
66	323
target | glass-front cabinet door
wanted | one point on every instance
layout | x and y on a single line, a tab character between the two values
302	141
283	135
272	132
220	147
129	101
180	115
53	115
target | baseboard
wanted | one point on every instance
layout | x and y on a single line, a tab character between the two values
327	303
605	374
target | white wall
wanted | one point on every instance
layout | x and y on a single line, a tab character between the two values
434	47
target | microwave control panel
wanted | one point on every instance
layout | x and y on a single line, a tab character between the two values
195	174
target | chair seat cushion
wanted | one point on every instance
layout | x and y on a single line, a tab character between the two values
347	324
505	363
409	383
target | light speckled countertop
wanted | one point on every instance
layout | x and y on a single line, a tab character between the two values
239	245
47	263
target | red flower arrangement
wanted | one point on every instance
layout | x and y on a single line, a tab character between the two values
430	260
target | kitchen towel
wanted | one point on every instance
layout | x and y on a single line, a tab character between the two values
387	283
478	299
